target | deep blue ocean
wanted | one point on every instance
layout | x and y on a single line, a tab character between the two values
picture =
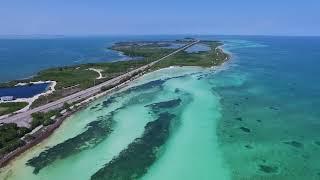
23	57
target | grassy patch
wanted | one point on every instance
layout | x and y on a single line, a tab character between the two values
43	118
10	135
214	57
150	51
74	79
10	107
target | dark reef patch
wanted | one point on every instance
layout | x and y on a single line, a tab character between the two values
145	86
239	119
109	101
106	103
317	143
305	156
295	144
273	108
244	129
134	161
96	132
268	169
94	107
164	105
248	146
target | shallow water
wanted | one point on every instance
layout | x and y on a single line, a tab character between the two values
192	152
269	98
256	117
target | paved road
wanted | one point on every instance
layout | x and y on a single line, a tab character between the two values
23	119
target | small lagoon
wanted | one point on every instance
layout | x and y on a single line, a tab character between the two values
198	48
175	46
26	91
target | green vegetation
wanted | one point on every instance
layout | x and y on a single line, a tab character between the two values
149	51
76	78
44	119
10	135
154	50
214	57
10	107
67	76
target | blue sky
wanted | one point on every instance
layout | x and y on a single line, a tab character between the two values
99	17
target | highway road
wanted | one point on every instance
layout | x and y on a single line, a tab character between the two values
24	118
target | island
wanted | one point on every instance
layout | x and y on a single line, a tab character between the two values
70	89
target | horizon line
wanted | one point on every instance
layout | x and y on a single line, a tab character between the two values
178	34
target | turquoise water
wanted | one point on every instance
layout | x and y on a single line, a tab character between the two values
270	123
255	117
